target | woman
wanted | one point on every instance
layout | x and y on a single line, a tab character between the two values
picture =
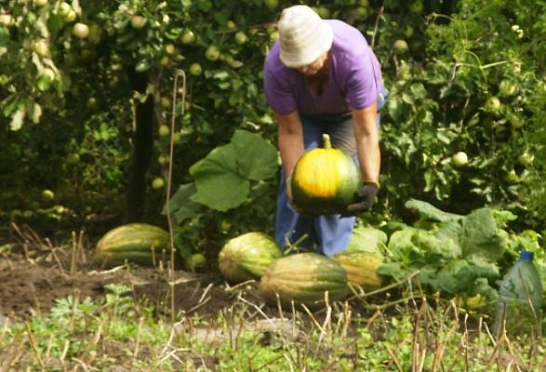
321	76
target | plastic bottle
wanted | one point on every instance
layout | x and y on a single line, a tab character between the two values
520	299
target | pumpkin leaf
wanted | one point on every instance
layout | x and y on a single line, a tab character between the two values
428	211
257	158
181	205
219	184
223	177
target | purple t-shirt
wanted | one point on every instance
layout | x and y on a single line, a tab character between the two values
354	83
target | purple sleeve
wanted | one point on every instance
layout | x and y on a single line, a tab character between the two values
362	84
278	92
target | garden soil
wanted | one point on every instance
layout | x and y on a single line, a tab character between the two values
35	273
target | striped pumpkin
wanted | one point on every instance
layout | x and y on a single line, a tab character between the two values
247	256
138	243
361	268
324	180
304	278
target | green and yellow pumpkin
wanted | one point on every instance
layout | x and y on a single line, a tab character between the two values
361	268
247	256
324	180
138	243
304	278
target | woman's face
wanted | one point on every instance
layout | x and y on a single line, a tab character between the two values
313	67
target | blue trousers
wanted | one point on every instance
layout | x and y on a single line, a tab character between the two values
326	234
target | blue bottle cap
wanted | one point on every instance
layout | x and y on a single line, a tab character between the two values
526	255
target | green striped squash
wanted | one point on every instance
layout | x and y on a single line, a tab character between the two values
304	278
324	180
138	243
247	256
361	268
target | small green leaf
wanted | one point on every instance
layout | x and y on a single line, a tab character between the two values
181	205
143	65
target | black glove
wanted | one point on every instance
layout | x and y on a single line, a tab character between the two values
363	199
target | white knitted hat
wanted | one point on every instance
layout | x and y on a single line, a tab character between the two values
303	35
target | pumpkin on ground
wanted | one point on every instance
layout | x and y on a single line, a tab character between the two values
138	243
247	256
367	239
361	268
324	180
304	278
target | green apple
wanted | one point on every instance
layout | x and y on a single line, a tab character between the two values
158	183
271	4
196	69
187	37
5	20
165	102
164	130
92	103
69	17
170	49
507	88
240	37
66	12
40	47
73	159
165	61
163	159
212	53
417	7
80	30
460	159
493	105
138	21
176	137
48	194
197	261
230	25
64	8
526	158
400	46
40	3
408	31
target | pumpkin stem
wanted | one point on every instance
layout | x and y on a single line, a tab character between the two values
326	143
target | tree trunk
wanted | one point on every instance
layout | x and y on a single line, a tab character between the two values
142	150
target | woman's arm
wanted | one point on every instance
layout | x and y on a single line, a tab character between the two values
367	143
290	139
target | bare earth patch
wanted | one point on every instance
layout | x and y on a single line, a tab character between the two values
34	274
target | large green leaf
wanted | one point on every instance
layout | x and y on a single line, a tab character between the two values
223	177
257	158
219	184
480	235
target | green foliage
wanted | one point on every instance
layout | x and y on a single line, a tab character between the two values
223	177
454	256
470	88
